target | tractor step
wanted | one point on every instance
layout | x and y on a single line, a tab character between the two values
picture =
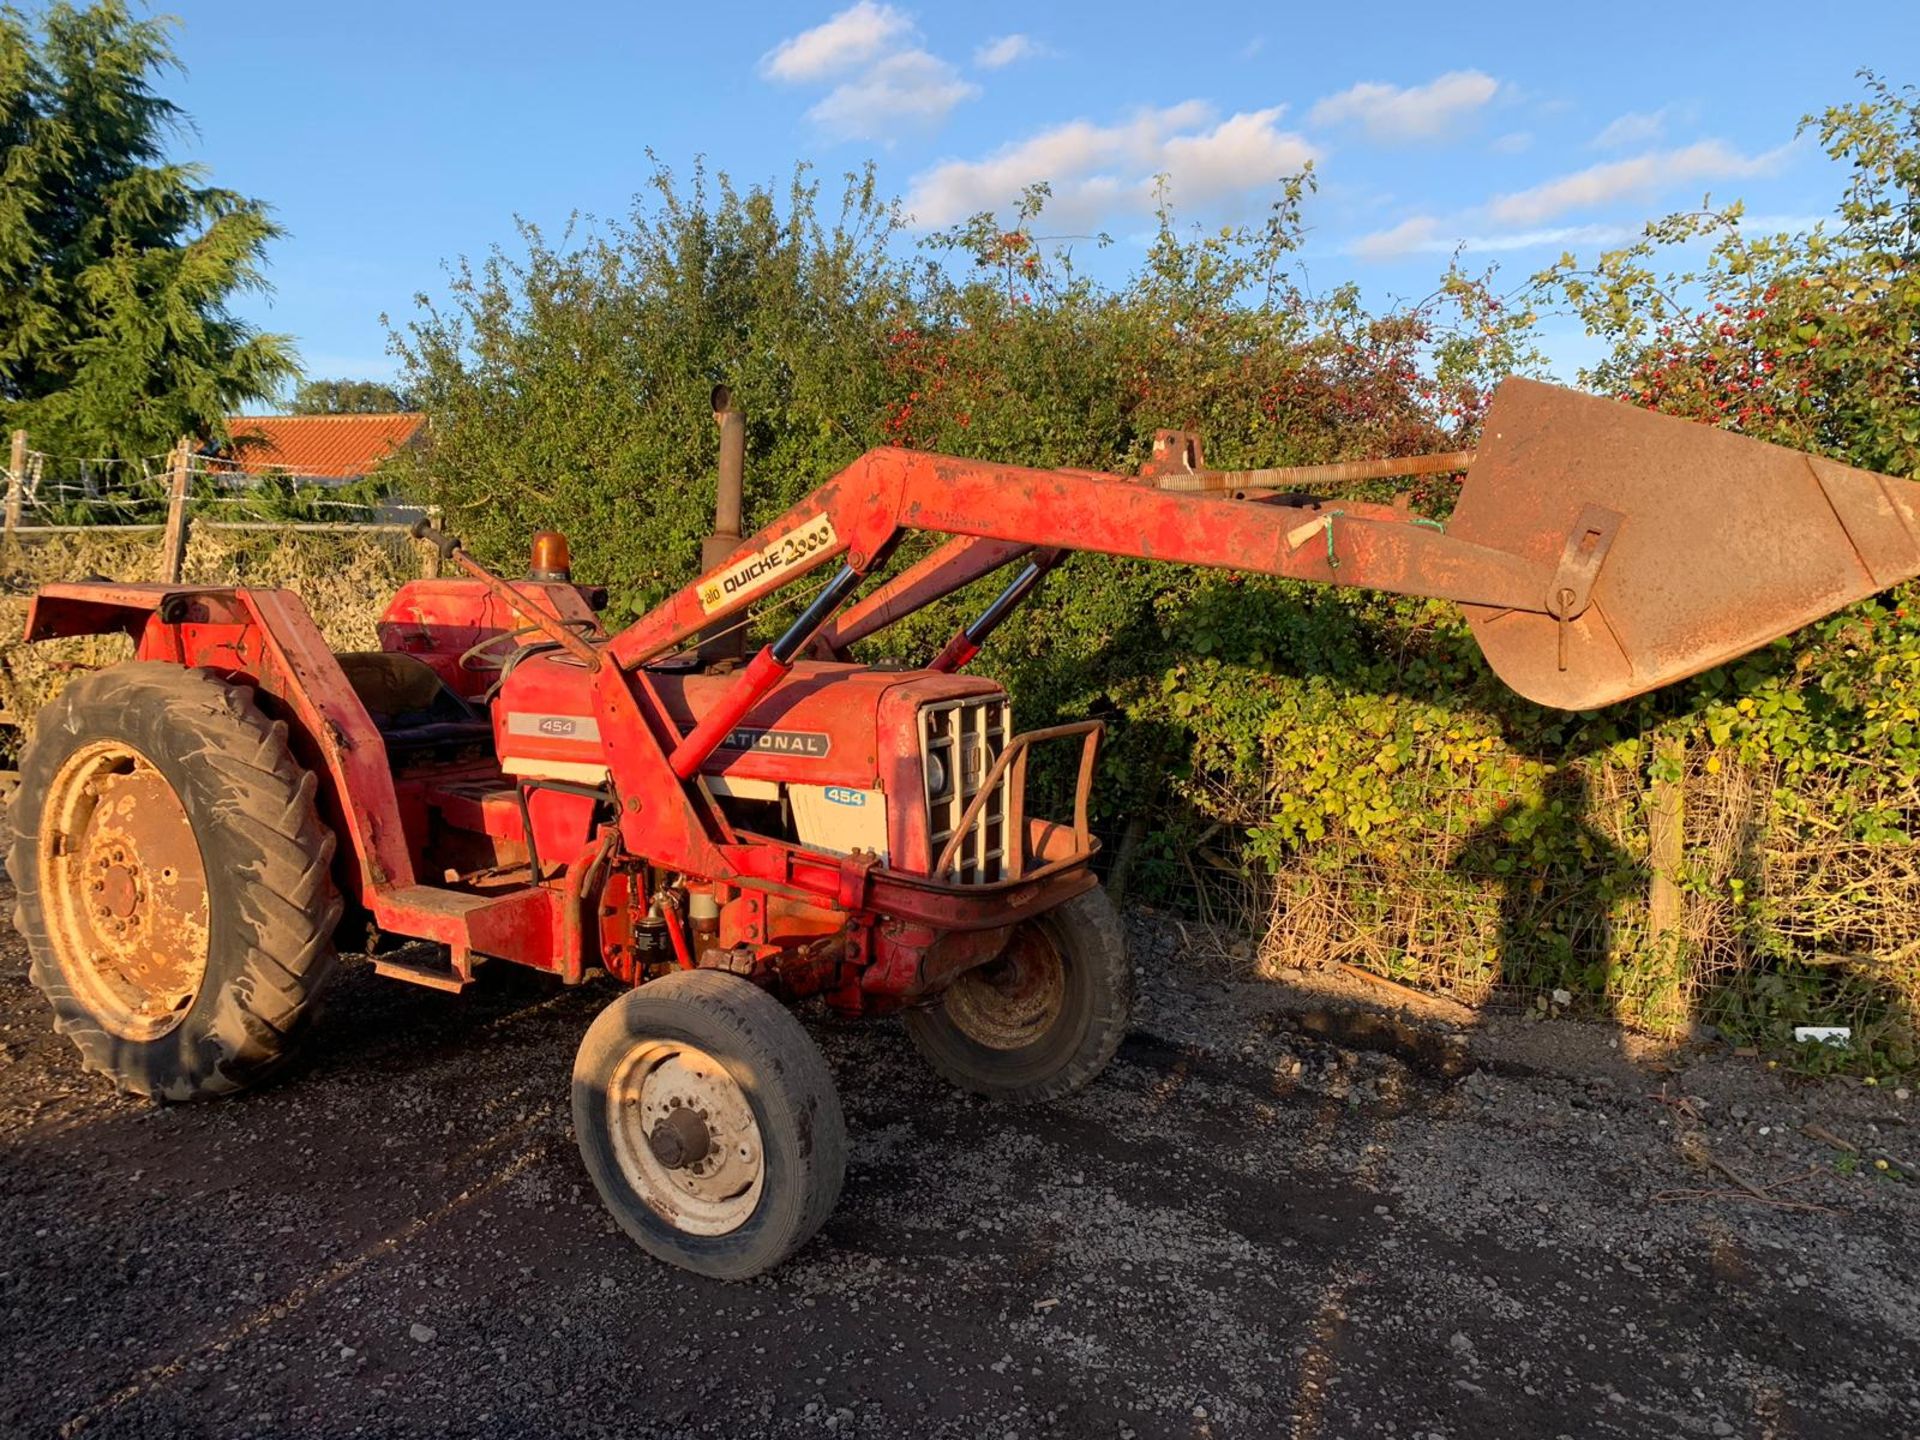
452	981
518	922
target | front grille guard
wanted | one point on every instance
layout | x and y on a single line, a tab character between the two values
1010	766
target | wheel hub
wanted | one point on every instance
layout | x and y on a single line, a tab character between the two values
119	892
125	890
680	1139
685	1137
1013	1001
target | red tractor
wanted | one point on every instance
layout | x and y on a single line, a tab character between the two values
194	829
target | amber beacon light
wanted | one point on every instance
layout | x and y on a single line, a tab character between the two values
551	558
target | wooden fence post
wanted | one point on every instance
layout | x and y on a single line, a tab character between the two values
430	552
16	480
1667	844
174	549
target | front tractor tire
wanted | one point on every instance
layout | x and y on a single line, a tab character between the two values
1042	1020
172	879
709	1122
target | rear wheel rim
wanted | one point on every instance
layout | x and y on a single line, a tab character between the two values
1016	1000
665	1102
125	889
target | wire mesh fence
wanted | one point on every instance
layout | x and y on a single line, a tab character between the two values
53	492
1791	912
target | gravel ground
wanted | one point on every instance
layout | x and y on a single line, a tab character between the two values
1279	1213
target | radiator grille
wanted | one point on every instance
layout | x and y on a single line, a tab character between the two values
959	741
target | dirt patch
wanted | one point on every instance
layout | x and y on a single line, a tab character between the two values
1243	1229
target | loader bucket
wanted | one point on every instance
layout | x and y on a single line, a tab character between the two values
1713	543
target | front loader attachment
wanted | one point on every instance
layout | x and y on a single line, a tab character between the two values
1599	551
1673	546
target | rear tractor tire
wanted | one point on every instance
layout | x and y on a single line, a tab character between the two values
709	1122
172	879
1042	1020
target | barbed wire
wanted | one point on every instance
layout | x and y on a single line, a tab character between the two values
145	462
160	466
305	500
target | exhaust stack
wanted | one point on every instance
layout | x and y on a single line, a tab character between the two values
733	468
727	507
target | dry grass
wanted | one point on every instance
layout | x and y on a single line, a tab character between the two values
345	579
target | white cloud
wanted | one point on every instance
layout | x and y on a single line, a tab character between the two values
1642	175
1100	170
852	37
910	88
1416	233
1418	112
1427	235
1241	151
1636	127
1006	50
1514	142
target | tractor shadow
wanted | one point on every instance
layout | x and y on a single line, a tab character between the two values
1562	880
372	1023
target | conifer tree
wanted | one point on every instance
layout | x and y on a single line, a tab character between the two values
117	264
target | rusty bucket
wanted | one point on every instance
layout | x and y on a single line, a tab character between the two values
1691	546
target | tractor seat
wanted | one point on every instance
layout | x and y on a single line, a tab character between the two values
409	703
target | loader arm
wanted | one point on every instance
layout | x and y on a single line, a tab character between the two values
1599	550
862	511
966	558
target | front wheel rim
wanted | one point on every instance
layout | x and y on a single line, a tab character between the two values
125	889
685	1138
1014	1001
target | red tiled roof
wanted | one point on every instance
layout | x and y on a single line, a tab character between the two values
330	446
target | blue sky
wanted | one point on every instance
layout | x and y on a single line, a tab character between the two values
392	137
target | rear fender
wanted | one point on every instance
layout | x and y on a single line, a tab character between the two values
102	608
266	638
